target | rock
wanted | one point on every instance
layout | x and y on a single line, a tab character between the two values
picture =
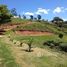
25	46
14	41
18	42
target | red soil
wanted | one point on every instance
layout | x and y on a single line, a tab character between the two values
33	33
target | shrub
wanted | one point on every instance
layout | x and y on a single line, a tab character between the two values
48	43
52	44
63	47
57	43
60	36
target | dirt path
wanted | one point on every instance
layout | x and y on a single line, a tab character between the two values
20	55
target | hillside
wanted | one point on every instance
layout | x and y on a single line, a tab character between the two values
21	24
14	47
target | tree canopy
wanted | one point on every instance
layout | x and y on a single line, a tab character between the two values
39	17
13	12
31	17
58	21
5	15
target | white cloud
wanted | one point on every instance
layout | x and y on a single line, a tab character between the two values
42	11
29	13
65	19
59	9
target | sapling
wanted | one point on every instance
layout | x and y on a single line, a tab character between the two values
30	44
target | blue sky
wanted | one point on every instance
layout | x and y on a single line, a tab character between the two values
46	8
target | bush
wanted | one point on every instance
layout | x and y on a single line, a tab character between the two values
48	43
57	43
52	44
63	47
61	36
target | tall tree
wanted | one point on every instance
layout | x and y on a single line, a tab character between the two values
31	17
39	17
5	15
19	16
13	11
24	17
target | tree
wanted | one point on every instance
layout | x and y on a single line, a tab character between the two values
5	15
39	17
13	12
31	17
19	16
58	21
24	17
35	19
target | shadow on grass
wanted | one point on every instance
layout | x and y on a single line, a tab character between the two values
26	50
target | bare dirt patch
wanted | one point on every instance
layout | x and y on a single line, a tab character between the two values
33	33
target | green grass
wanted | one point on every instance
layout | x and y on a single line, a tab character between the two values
6	57
49	61
46	61
18	20
37	26
41	26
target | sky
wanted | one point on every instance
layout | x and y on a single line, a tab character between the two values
46	8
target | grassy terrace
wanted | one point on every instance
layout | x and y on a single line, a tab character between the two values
37	40
39	26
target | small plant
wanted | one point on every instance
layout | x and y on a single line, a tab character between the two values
30	44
